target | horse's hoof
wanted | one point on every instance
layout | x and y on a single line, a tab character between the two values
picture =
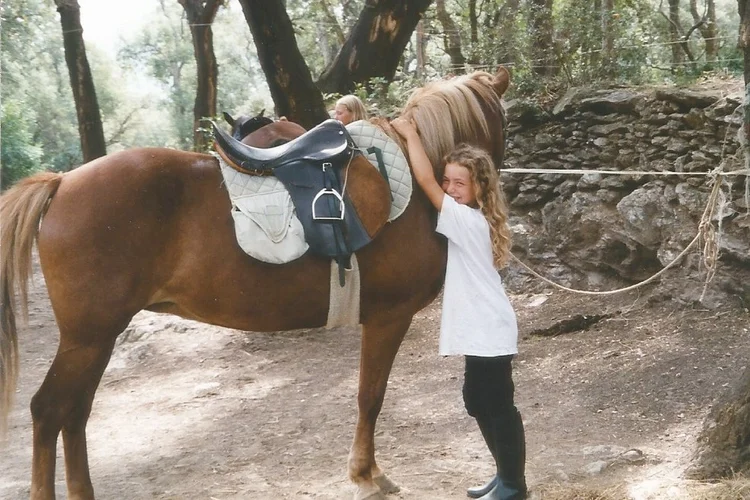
386	485
372	493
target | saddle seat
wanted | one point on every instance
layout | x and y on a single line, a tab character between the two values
328	142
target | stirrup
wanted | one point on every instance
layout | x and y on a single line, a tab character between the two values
329	192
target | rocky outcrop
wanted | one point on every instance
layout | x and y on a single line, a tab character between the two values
599	231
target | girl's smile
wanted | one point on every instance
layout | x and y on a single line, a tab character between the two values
458	185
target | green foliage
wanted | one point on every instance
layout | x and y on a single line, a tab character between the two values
19	155
164	51
242	85
146	93
39	122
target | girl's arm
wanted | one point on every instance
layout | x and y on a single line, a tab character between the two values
420	164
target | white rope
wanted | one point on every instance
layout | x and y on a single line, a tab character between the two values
743	171
706	231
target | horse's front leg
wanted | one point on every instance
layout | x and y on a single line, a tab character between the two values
380	343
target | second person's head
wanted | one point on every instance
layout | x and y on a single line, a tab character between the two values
349	109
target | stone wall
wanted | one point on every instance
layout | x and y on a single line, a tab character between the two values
599	231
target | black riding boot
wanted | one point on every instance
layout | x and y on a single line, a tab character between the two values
510	458
485	425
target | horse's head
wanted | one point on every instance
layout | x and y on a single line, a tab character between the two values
245	125
467	109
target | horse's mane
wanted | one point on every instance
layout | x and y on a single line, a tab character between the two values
449	112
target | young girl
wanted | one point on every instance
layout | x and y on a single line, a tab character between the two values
349	109
478	320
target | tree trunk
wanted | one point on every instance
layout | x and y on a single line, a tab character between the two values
451	38
90	127
675	31
419	48
540	23
473	22
502	25
201	15
706	23
608	38
744	43
292	89
332	22
375	44
330	34
725	438
589	47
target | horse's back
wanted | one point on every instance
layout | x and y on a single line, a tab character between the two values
152	228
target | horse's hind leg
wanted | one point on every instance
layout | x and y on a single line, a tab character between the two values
63	403
380	343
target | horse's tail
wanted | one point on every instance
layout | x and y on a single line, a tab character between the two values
21	210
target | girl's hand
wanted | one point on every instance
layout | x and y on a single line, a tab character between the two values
405	128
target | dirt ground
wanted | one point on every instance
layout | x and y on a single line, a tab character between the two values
613	390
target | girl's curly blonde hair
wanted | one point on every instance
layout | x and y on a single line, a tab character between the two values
489	194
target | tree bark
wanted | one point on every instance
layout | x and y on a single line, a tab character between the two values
419	48
473	22
725	438
90	127
332	22
706	23
330	34
608	38
292	89
375	44
451	38
675	31
542	50
201	15
502	25
744	44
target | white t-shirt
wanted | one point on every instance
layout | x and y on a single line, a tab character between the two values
478	319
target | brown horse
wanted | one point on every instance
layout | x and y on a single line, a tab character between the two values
151	229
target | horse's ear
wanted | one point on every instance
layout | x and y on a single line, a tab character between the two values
501	81
228	118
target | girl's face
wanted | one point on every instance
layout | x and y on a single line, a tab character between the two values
343	114
458	185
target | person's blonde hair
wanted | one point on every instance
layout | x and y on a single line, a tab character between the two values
355	105
489	194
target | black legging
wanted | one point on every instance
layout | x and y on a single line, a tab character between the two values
488	386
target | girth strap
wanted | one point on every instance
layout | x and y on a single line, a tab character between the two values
381	164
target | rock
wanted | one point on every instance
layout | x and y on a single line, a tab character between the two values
618	101
602	230
565	105
595	468
687	99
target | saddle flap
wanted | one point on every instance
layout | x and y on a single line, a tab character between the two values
271	211
366	200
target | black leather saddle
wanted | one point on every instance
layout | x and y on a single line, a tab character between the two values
328	142
313	168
